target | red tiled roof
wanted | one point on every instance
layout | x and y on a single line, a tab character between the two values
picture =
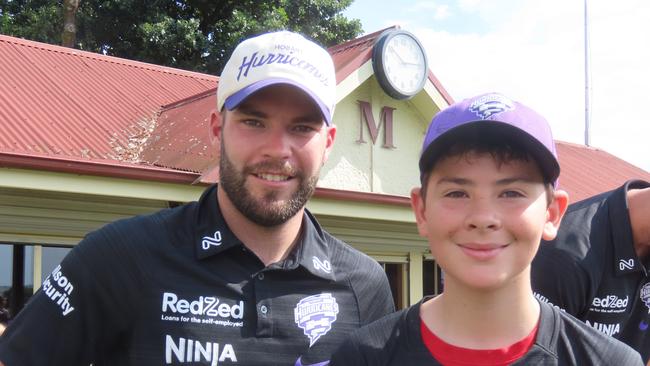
180	139
65	103
586	171
73	111
349	56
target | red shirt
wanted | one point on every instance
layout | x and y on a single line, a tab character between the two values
450	355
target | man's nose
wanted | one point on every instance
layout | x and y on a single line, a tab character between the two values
277	144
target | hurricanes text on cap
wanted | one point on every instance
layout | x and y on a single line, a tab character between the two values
512	120
278	58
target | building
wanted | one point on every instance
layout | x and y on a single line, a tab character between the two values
87	139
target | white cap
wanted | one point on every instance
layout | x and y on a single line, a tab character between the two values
278	58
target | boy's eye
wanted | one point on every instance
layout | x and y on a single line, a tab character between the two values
512	194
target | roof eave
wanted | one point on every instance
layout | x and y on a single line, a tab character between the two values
96	168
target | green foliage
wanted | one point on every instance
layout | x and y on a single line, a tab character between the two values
189	34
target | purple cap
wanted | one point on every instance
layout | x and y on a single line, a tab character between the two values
511	120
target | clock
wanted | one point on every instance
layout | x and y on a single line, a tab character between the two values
400	63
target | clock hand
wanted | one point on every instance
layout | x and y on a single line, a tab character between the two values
391	48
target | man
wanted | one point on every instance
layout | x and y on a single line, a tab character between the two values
596	268
244	276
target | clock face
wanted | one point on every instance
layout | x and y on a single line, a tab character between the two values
400	64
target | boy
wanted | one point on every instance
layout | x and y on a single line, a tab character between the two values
488	170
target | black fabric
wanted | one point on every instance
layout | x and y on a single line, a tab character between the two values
395	340
177	287
592	271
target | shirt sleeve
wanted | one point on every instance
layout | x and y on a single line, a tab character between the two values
77	314
373	291
558	278
348	353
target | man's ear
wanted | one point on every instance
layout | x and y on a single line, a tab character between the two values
216	124
329	143
554	214
418	205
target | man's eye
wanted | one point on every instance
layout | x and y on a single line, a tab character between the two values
252	123
304	128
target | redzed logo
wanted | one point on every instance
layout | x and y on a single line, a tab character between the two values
204	305
610	302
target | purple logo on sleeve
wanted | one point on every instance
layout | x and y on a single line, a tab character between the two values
645	295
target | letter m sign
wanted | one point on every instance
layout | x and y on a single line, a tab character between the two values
386	116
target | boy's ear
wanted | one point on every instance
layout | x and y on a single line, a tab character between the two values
417	203
554	214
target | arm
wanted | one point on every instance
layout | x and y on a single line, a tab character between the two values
638	201
348	353
374	294
74	315
50	326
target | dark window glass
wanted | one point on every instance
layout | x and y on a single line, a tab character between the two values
6	258
395	276
431	278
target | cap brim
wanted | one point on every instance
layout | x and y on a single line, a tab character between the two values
545	159
235	99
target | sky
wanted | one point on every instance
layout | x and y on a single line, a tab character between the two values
534	52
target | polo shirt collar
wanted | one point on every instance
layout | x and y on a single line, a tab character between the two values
213	236
626	260
312	252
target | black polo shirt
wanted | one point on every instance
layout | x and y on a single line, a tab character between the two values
177	287
592	271
396	340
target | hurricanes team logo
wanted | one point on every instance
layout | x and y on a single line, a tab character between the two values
644	294
315	315
490	105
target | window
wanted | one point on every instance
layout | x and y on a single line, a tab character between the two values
432	278
397	282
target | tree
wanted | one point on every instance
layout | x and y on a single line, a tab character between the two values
189	34
69	35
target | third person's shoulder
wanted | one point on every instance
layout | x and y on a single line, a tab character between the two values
582	344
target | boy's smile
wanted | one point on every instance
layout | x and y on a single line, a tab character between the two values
483	219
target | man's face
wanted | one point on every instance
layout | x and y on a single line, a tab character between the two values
272	148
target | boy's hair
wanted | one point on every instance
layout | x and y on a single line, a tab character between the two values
490	123
485	141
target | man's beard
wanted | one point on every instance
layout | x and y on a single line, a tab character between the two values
267	211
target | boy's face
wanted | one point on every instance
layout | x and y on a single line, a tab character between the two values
484	221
